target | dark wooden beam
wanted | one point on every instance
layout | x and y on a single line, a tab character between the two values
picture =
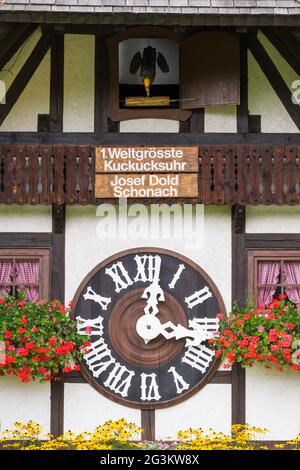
124	138
238	389
148	425
101	85
254	123
220	377
57	83
57	408
57	292
242	109
273	241
24	76
13	40
25	240
286	45
197	120
273	75
185	126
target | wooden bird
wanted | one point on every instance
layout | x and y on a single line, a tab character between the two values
147	65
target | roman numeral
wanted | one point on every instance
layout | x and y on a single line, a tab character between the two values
149	387
198	357
119	380
209	325
198	297
99	357
177	276
180	383
95	324
148	268
119	275
102	301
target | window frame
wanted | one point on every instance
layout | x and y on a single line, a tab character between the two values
42	254
254	256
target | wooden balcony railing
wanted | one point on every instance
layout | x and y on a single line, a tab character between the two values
229	174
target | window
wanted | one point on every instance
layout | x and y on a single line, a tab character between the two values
24	270
272	273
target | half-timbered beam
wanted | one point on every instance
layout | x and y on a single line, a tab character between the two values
148	425
101	85
286	45
238	388
24	76
274	77
13	40
57	83
57	292
242	109
147	138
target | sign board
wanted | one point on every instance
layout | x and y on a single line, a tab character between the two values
147	186
146	172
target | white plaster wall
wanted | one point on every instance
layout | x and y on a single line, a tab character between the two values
85	409
213	254
220	119
273	219
24	402
289	75
264	101
149	125
25	218
35	98
209	408
273	401
79	83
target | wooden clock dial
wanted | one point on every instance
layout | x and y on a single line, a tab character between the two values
148	293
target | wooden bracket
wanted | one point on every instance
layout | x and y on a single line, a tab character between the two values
238	219
58	219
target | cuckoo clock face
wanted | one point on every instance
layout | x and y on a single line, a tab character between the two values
150	313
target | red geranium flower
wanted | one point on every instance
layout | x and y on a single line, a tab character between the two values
52	340
282	296
22	352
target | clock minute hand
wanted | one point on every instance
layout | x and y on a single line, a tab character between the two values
154	294
149	327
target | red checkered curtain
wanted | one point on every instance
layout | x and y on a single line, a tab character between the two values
5	276
291	275
27	277
268	274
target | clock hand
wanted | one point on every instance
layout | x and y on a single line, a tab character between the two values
149	327
154	294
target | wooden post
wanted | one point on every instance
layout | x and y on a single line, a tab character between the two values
57	292
238	390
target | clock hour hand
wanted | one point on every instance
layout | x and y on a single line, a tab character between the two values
194	336
149	327
154	294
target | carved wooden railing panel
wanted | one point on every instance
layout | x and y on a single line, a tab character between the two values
229	174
